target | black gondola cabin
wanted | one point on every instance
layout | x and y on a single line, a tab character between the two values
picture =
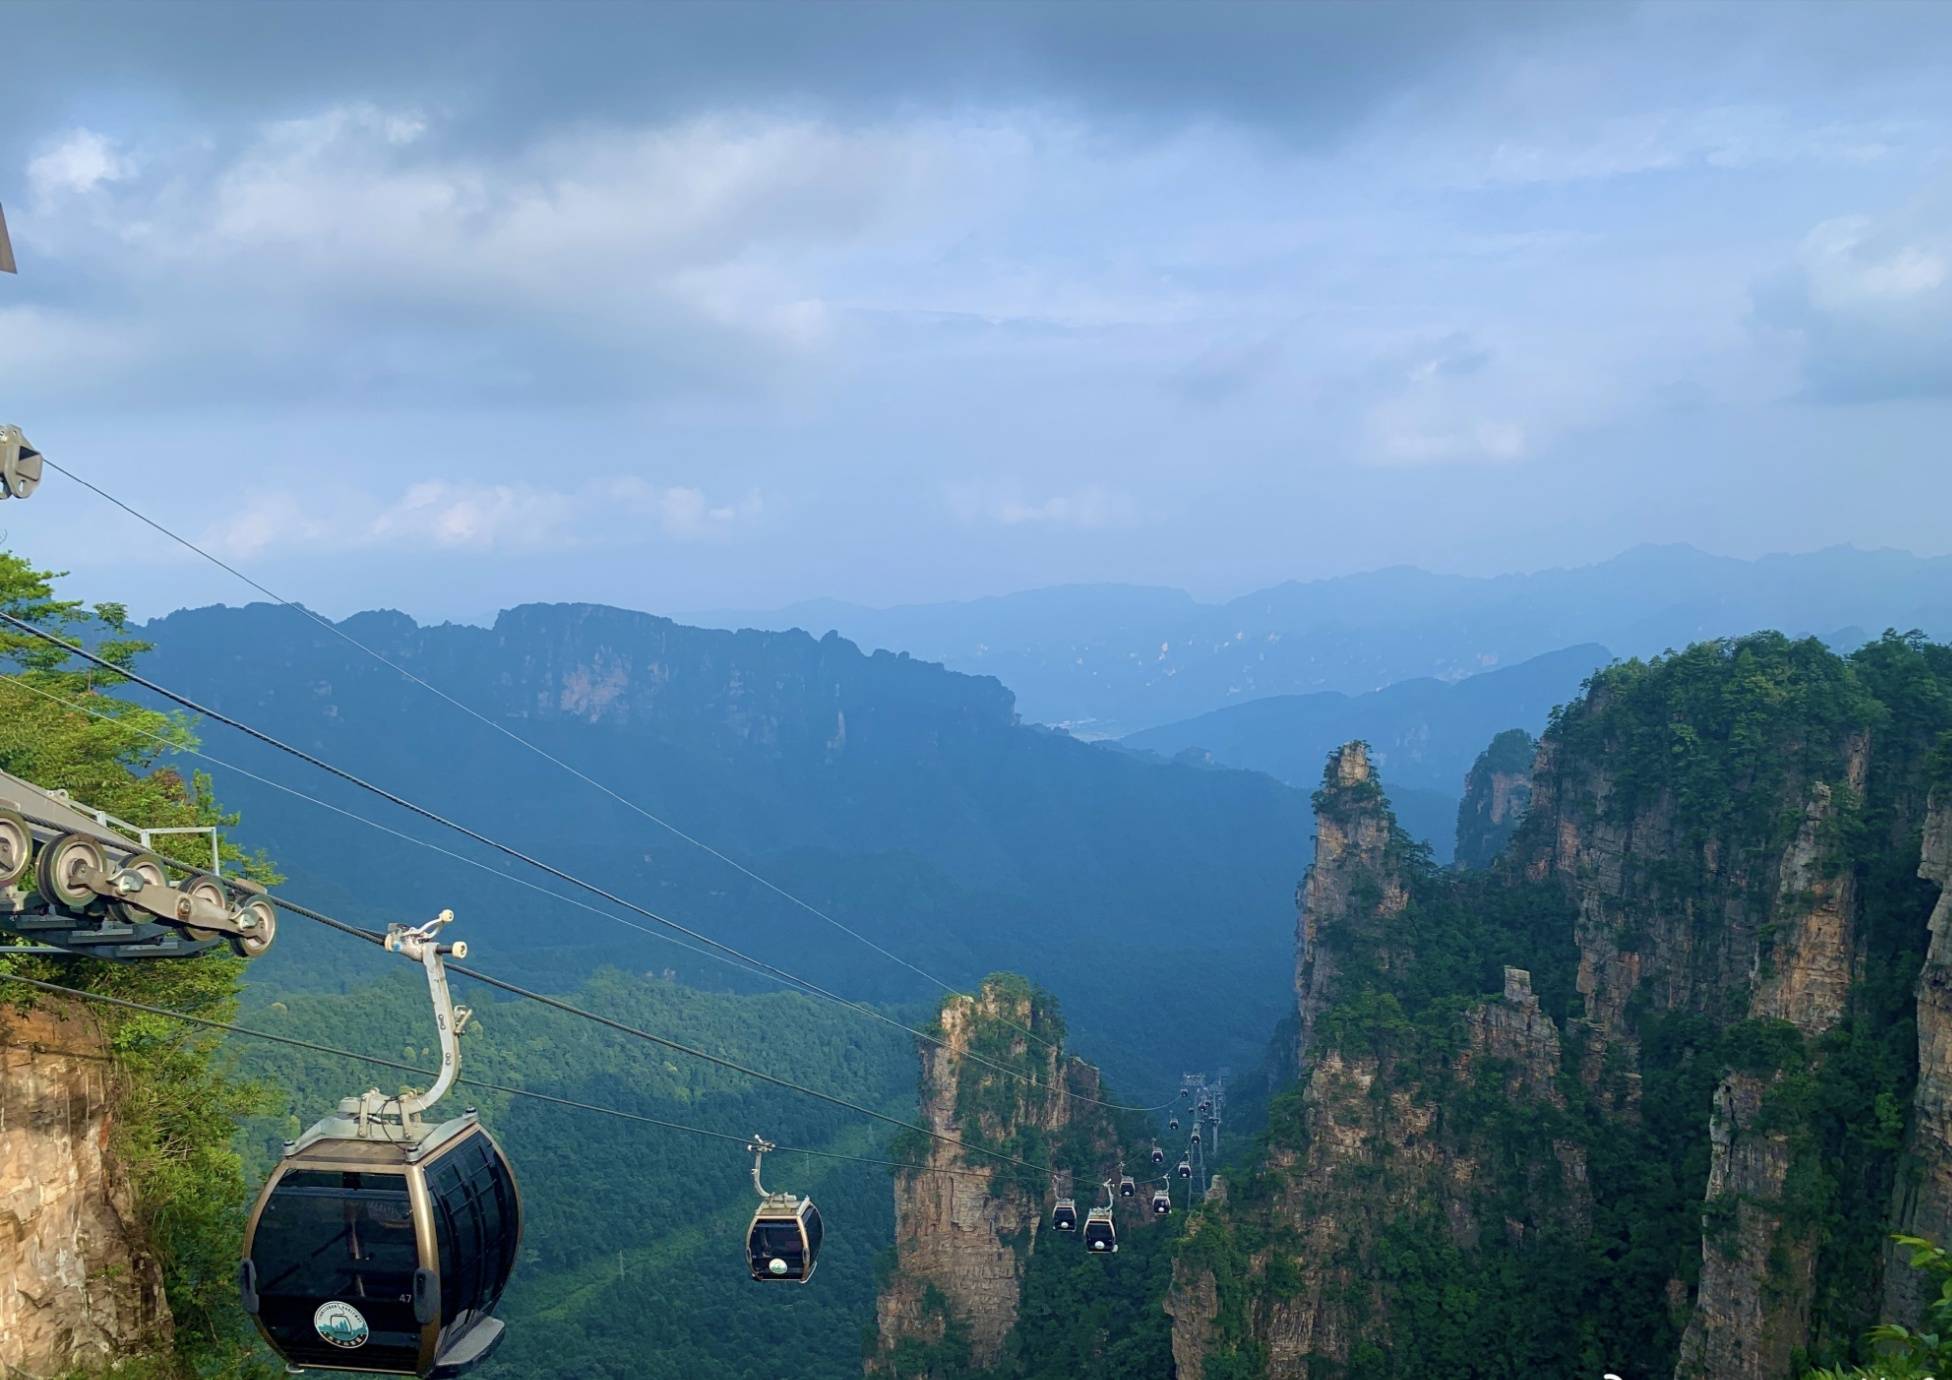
783	1242
1100	1235
1162	1202
365	1254
1065	1217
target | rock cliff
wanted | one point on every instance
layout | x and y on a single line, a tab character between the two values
1673	1133
77	1288
1497	793
1924	1199
1292	1274
964	1232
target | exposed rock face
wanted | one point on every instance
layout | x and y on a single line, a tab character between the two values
1193	1303
962	1240
1497	793
1374	1148
76	1288
1752	1309
1704	875
1355	883
1924	1202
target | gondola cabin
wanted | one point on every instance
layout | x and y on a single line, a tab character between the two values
783	1242
1065	1217
1173	1125
1162	1202
1196	1135
1158	1155
1185	1169
1100	1234
1126	1188
384	1256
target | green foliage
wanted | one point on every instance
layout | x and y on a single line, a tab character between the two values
176	1100
1905	1353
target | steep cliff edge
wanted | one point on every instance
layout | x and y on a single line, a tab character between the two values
78	1289
1633	1096
1497	793
1410	1133
1924	1200
979	1282
964	1231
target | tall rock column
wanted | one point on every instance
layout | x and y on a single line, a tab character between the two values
1355	883
1924	1198
77	1289
963	1235
1293	1277
1758	1258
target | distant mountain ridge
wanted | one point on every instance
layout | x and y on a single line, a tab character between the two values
1426	732
906	801
1111	660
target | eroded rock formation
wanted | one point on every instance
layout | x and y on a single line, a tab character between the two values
1699	919
77	1288
1497	793
1924	1199
963	1239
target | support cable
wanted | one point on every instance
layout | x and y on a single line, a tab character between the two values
515	737
758	965
572	1104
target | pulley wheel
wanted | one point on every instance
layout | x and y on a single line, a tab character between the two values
150	868
16	847
206	886
261	920
64	868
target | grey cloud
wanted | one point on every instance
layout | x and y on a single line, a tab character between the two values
1305	69
1867	306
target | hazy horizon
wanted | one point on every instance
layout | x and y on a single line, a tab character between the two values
241	595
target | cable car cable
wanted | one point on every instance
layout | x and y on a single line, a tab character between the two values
104	998
269	740
513	736
401	835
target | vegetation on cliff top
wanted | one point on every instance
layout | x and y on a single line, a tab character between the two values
1726	739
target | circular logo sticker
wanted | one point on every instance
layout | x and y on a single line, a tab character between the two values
340	1324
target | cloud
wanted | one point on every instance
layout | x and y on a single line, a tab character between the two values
444	516
614	259
1866	305
1680	140
1441	400
1005	504
78	162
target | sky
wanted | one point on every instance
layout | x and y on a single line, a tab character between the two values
446	308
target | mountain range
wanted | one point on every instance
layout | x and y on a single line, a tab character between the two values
897	799
1111	660
1425	732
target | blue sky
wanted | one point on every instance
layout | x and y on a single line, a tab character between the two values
681	306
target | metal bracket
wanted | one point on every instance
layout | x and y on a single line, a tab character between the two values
20	463
757	1148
